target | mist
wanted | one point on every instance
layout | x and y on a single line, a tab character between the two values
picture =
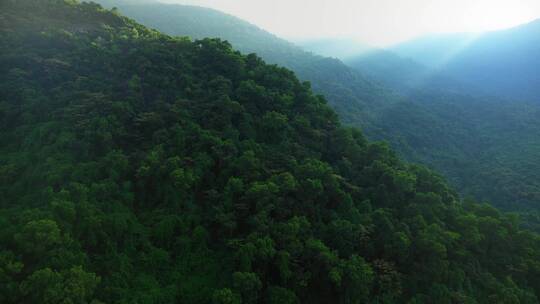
375	22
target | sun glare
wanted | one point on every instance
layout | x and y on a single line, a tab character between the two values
376	22
494	15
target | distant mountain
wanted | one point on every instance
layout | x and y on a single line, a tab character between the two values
404	74
342	49
503	63
434	49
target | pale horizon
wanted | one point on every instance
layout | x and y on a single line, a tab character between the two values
378	23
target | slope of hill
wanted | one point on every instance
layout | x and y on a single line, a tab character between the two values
349	92
486	146
141	168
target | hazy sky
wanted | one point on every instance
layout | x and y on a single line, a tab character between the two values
377	22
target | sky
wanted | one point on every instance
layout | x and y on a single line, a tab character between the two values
375	22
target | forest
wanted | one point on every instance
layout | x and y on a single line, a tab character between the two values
485	145
138	167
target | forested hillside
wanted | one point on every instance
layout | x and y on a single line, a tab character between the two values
485	145
475	141
351	94
141	168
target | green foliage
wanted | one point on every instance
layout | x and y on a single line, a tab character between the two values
486	147
225	296
71	286
141	168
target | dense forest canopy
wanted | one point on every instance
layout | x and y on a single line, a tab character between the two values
491	142
487	147
137	167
